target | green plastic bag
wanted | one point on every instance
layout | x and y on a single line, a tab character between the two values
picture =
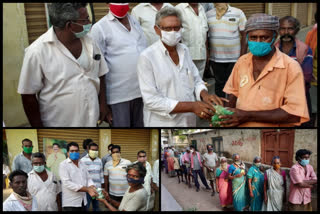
220	111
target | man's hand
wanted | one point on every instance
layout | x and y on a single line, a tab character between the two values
236	119
211	98
203	110
92	192
105	114
106	195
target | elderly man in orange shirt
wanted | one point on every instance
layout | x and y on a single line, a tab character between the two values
266	87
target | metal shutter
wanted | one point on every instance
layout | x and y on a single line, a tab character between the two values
132	141
302	14
75	135
281	9
250	8
36	20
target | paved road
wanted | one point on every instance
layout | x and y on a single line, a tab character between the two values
189	199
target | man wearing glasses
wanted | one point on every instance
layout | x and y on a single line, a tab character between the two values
142	158
62	76
169	81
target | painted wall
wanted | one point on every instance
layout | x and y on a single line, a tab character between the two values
154	145
14	140
15	40
244	142
104	141
306	139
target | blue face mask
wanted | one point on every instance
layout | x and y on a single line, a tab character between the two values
38	168
74	155
86	29
260	48
304	162
133	181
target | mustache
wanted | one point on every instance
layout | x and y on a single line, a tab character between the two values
286	36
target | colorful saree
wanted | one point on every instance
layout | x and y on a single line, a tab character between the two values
239	191
225	187
257	188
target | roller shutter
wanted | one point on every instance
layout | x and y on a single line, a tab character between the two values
281	9
250	8
36	20
75	135
132	141
101	9
302	14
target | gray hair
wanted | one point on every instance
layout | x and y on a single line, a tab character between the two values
61	13
223	158
38	155
139	168
234	155
167	11
256	158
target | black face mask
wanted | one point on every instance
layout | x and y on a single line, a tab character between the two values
210	150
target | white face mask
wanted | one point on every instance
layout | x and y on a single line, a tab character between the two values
171	38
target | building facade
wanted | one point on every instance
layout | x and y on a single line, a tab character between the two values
130	140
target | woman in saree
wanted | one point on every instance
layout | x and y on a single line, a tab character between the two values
223	184
256	185
274	186
239	190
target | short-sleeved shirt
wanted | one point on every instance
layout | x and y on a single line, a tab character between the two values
95	169
194	31
279	85
118	183
210	159
45	192
224	34
121	49
134	201
297	194
106	159
145	14
67	92
22	163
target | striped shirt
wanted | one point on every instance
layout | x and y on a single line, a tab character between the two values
224	34
95	169
118	183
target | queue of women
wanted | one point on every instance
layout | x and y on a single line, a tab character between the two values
265	190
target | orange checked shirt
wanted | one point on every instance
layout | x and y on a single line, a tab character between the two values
279	85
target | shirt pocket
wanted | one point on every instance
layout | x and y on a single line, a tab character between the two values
268	98
187	80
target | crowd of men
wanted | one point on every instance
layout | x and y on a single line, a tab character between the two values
79	179
146	68
261	188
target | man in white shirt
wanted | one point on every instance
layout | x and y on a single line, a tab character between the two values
169	81
20	199
62	76
194	34
142	158
43	185
76	181
145	14
121	41
94	166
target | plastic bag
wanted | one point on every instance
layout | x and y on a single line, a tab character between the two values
220	111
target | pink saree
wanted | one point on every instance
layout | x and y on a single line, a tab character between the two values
225	187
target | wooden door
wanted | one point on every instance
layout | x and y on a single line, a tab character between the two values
277	143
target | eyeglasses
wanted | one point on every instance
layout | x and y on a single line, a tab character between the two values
177	28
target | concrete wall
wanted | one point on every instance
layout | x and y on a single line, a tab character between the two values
306	139
154	145
15	40
246	142
104	141
14	141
